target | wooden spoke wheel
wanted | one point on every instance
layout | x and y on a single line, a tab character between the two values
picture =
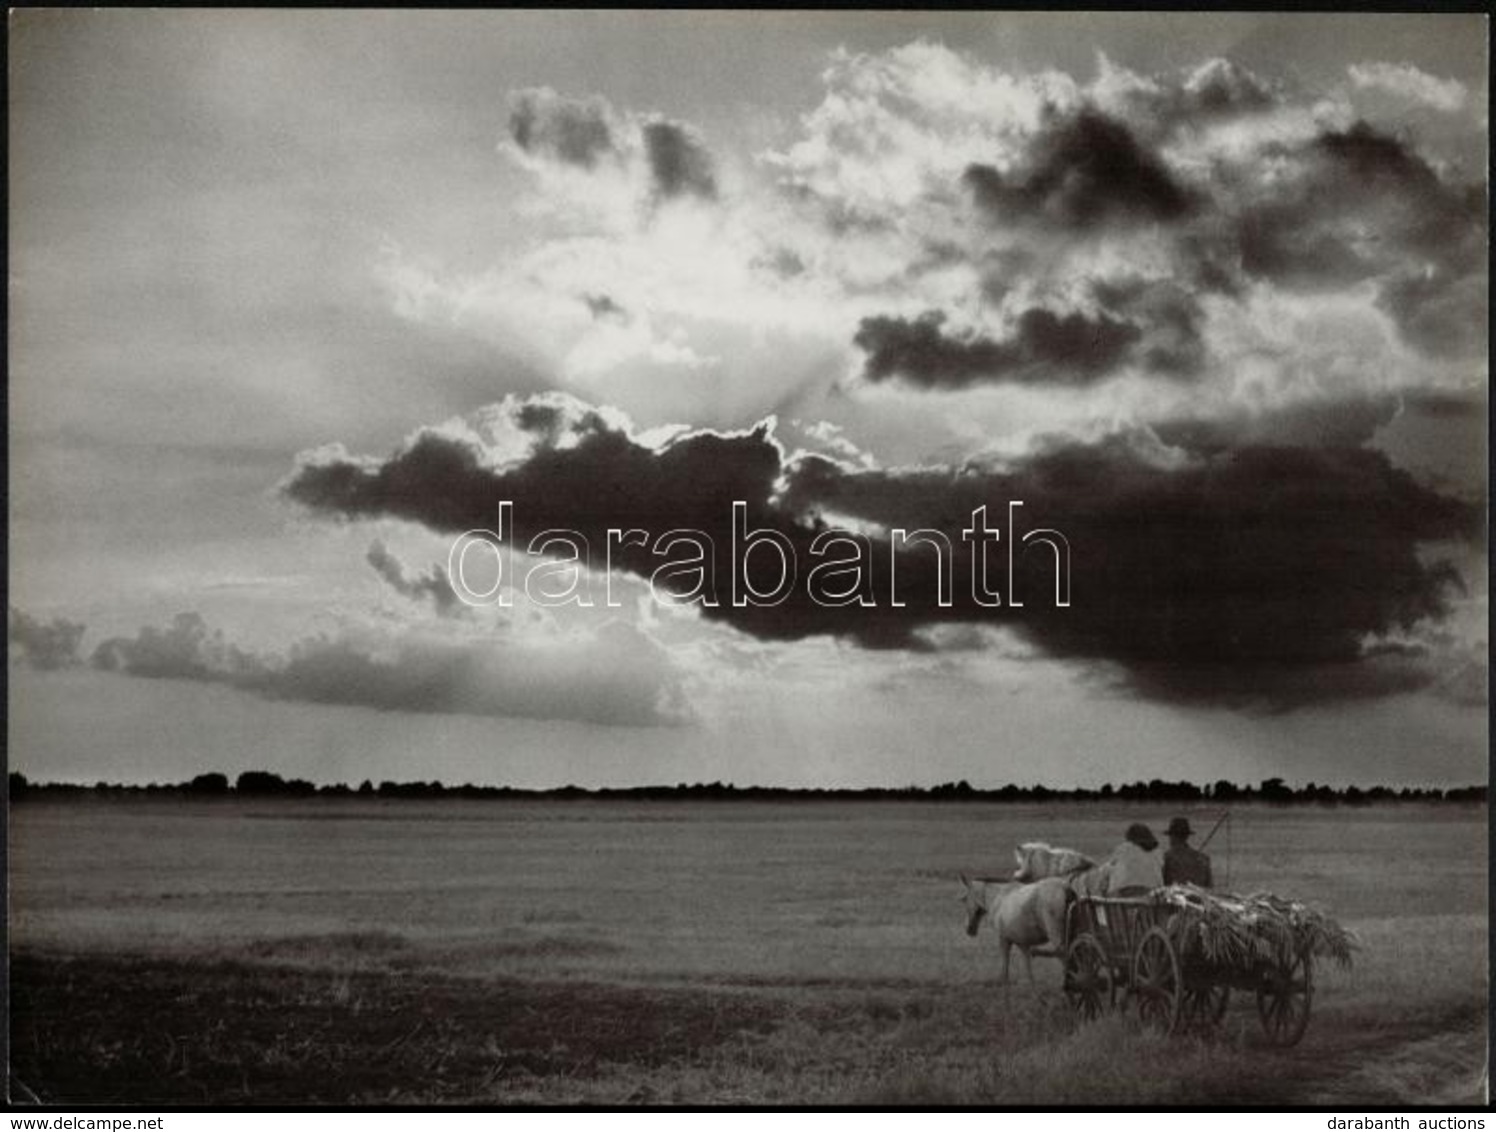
1157	986
1283	999
1205	1005
1088	978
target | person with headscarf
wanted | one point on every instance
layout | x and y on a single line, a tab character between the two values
1135	867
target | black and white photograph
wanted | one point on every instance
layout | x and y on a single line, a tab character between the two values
747	559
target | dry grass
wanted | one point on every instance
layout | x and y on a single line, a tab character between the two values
734	954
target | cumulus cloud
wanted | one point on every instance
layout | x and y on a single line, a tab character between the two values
1170	321
1348	204
1132	225
616	676
43	645
1356	207
1189	279
613	675
1406	81
651	158
1219	88
434	584
1216	94
1212	179
1209	571
1081	172
187	649
895	126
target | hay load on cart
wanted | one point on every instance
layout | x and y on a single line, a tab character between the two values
1239	930
1178	952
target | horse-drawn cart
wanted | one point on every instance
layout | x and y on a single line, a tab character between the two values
1165	954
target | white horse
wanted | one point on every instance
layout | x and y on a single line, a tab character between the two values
1038	859
1030	917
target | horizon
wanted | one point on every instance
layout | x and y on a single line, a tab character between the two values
1240	791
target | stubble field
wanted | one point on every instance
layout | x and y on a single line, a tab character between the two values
585	952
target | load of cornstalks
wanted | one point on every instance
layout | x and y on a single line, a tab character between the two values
1238	931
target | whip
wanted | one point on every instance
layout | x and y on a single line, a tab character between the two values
1215	828
1220	821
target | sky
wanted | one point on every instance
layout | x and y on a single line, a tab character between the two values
298	298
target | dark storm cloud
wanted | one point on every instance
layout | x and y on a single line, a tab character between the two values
619	677
1351	207
1046	348
1378	161
679	164
1215	580
1434	661
433	584
921	353
1239	565
1342	208
1340	422
582	475
1362	205
1082	172
44	645
1209	264
1073	343
576	132
1273	688
1208	575
1444	405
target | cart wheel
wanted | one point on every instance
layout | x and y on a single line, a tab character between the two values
1205	1005
1283	999
1156	983
1088	978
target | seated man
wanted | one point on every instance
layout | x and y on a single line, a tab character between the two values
1182	864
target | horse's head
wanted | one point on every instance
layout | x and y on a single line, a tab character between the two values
1029	858
974	900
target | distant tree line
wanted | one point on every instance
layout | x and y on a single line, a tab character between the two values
264	784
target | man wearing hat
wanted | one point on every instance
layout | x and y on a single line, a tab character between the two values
1133	868
1182	864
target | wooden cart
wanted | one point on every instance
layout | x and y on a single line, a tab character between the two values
1145	953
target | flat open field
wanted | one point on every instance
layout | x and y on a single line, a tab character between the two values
347	951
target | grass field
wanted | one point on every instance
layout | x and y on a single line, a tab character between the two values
589	952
